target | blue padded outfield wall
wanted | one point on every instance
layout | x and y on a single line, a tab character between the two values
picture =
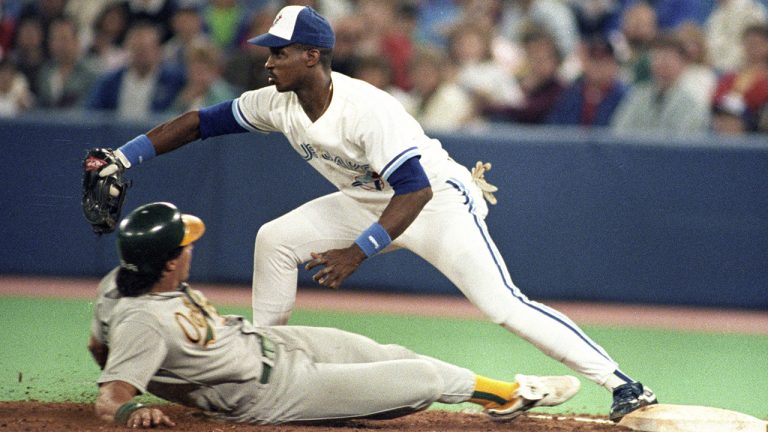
581	215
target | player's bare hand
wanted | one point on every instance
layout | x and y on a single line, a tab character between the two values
146	418
337	265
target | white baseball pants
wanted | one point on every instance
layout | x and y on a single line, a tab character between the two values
450	233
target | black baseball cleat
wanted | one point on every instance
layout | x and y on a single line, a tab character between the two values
629	397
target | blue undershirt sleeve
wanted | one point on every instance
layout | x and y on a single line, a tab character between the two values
218	120
408	177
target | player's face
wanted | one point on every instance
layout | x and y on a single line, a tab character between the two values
185	260
286	67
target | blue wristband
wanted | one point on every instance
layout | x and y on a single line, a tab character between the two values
373	240
138	150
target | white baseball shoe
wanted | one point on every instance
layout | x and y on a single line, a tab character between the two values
536	391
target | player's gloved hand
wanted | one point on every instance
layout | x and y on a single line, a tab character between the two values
337	265
147	417
119	163
103	188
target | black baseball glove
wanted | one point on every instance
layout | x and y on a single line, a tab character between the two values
103	189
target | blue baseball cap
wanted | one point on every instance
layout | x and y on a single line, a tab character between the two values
297	24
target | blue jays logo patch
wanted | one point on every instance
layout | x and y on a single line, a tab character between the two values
369	181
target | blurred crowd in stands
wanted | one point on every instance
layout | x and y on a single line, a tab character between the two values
663	66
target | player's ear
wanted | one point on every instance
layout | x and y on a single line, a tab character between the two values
171	265
312	56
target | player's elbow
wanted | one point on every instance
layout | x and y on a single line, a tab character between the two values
427	194
423	195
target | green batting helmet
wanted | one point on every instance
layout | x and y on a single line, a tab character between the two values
149	235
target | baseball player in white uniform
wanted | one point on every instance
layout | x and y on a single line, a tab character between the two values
398	188
152	332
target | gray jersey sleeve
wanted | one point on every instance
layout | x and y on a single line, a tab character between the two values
137	350
102	309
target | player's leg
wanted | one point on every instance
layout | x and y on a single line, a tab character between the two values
330	345
469	258
345	365
397	387
329	222
311	391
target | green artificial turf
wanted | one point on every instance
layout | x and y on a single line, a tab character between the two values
44	356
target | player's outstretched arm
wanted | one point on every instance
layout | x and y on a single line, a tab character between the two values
175	133
205	123
115	404
161	139
208	122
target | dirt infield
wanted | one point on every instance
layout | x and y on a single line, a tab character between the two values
36	416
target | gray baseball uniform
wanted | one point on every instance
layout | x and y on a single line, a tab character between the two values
175	345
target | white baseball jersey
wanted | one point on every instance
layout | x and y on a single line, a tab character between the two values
363	136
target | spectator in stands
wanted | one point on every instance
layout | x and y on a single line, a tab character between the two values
375	70
28	52
554	17
330	9
638	31
223	19
750	80
388	32
7	28
435	21
84	14
440	104
662	105
157	12
187	25
671	14
347	52
762	120
699	76
484	14
15	96
479	73
603	17
592	99
64	80
105	53
46	11
204	86
244	68
597	18
146	85
725	27
539	82
730	116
